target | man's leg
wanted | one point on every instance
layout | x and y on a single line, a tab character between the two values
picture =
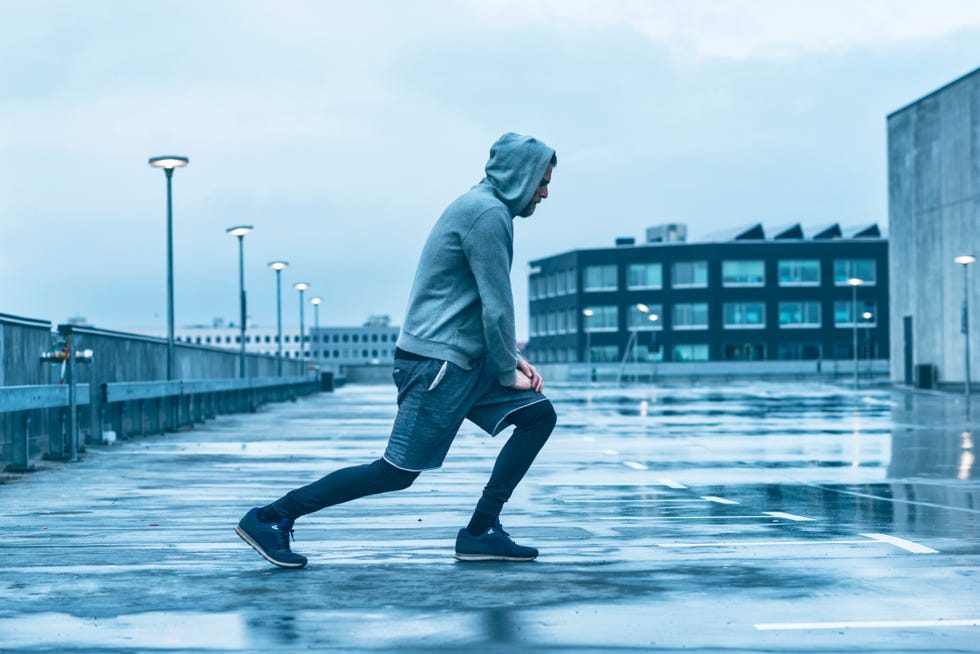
534	425
268	529
338	487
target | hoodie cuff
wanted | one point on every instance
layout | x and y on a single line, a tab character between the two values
508	378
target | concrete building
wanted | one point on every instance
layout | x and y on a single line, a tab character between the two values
778	298
333	348
934	217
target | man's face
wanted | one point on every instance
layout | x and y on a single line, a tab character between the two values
539	195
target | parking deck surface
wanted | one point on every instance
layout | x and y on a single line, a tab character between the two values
737	518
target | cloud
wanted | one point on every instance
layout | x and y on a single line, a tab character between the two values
745	29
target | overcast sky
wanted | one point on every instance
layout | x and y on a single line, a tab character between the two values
341	130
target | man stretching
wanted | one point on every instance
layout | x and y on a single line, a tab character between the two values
456	359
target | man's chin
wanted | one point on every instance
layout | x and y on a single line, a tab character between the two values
528	210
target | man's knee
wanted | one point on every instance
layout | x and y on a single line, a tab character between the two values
540	415
395	478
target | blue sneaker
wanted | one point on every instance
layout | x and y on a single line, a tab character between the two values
270	539
493	545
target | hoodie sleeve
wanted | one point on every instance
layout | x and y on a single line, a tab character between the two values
489	249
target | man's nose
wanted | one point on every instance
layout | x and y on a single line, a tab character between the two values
543	192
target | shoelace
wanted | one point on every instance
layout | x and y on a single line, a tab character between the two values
500	528
285	529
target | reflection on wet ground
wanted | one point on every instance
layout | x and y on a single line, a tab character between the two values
746	518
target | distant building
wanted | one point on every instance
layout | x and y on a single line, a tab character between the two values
934	217
331	347
753	294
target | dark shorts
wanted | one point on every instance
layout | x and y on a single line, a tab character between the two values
434	397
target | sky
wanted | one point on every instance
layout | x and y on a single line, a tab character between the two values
341	130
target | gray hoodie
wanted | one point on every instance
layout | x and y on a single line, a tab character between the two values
462	306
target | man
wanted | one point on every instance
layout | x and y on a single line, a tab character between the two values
456	359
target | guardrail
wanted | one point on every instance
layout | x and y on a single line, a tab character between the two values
128	409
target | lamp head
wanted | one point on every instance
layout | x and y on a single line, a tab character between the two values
278	265
588	313
240	230
169	162
855	281
301	286
642	307
316	300
965	259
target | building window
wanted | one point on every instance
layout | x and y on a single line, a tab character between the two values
691	352
744	352
550	281
803	272
645	276
570	284
844	317
562	318
743	273
570	321
560	282
799	314
799	351
605	353
641	321
600	278
744	315
691	316
863	269
603	319
532	287
552	323
690	274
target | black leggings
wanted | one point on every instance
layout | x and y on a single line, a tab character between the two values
534	425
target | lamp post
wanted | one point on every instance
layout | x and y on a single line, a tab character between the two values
168	163
866	317
642	308
301	286
278	266
653	342
316	301
240	231
854	282
965	260
588	313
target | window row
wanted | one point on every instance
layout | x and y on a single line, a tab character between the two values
694	315
332	338
734	273
552	285
795	351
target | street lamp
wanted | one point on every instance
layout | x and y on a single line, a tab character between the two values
301	286
588	313
642	308
653	345
866	317
168	163
240	231
278	266
854	282
965	260
316	301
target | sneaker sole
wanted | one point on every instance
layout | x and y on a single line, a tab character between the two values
491	557
255	546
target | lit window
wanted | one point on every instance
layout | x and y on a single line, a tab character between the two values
691	316
645	275
743	273
863	269
600	278
799	314
803	272
744	315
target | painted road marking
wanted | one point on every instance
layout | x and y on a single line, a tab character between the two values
610	452
602	484
635	465
869	624
670	483
779	543
718	500
906	545
788	516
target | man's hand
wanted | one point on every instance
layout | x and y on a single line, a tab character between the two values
527	377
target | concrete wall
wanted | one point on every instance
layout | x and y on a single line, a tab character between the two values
934	216
22	340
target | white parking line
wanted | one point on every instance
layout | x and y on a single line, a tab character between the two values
906	545
670	483
869	624
788	516
718	500
764	543
635	465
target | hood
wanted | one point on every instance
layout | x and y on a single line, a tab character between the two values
517	164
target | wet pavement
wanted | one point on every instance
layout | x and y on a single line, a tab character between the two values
737	518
